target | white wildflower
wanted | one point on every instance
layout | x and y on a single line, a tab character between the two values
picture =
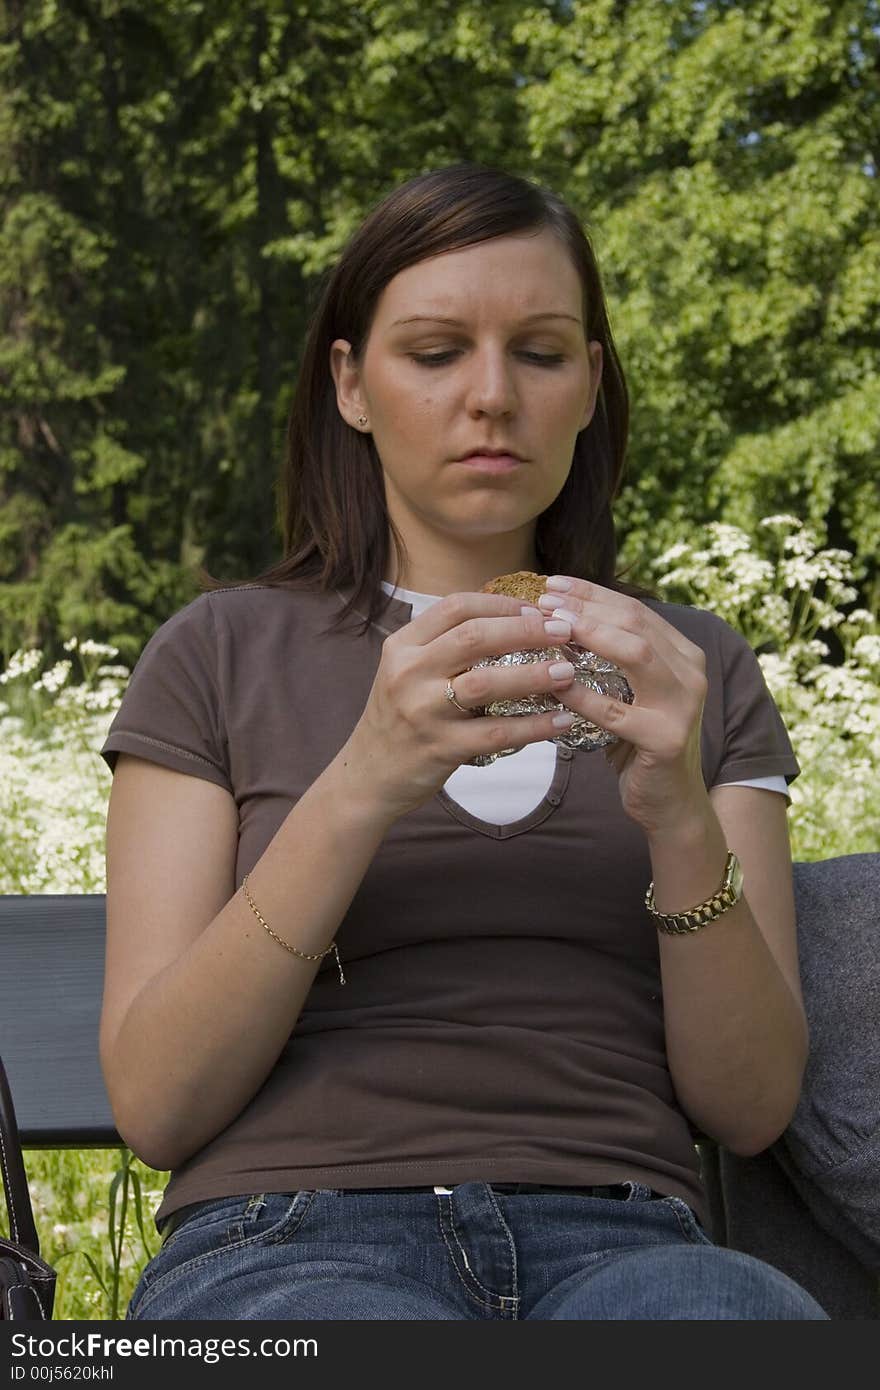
21	663
779	521
90	648
54	678
860	617
727	540
673	553
802	542
798	573
867	649
774	611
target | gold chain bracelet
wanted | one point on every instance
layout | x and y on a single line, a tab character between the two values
727	896
286	944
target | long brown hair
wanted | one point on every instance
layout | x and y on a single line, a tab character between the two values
331	494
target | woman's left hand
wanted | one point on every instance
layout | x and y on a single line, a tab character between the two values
657	758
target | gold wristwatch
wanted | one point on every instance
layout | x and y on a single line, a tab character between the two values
727	896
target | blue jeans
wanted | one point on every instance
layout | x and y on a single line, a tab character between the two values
467	1253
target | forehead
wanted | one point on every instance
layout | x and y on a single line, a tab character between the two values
507	277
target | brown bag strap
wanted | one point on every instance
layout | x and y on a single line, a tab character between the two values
22	1229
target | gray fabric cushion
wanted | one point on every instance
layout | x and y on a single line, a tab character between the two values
831	1149
764	1215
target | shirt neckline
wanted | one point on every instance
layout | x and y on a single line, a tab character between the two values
551	800
407	595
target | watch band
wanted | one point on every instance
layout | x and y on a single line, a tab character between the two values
720	902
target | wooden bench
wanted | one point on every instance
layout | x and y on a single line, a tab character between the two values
51	981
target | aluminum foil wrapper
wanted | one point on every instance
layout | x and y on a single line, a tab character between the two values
590	669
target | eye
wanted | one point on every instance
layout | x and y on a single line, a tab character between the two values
545	359
439	359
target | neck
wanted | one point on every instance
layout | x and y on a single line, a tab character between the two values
465	573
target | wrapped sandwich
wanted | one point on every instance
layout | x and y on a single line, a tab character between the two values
590	669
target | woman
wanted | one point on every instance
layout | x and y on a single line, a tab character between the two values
402	1024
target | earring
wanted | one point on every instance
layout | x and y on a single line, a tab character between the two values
362	419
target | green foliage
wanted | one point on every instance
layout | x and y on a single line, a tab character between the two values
93	1210
177	176
724	159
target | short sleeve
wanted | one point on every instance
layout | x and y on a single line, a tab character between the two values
756	741
170	711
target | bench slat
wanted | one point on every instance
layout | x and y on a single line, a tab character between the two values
51	983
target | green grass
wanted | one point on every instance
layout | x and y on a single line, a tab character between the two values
93	1210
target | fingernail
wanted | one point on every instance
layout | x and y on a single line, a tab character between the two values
558	582
548	601
527	612
557	629
564	616
561	670
563	721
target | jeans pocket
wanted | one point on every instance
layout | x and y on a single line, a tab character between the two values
206	1214
226	1225
687	1221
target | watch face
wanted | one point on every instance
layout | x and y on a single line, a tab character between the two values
736	877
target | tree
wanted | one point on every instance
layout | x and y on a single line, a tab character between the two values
179	176
726	156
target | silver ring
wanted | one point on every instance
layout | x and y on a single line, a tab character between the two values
450	695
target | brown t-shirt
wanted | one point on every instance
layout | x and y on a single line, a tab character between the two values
502	1015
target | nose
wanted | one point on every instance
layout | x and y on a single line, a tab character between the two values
491	389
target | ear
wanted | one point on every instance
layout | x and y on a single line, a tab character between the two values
347	376
595	352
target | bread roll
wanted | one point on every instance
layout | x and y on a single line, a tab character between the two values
590	669
523	584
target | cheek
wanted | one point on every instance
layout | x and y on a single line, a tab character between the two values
570	396
421	416
410	418
406	402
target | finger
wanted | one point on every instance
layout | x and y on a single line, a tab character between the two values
644	728
475	639
584	593
484	685
493	734
630	615
449	612
642	649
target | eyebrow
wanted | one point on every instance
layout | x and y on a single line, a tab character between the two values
457	323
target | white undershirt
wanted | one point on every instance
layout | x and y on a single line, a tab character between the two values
508	789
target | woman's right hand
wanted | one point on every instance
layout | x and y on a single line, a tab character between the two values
410	738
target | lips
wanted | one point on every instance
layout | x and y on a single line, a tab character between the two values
491	463
490	453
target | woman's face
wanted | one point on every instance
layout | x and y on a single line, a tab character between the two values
479	347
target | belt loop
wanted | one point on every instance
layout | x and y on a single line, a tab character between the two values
638	1192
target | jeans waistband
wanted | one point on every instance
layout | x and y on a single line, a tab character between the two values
613	1191
616	1191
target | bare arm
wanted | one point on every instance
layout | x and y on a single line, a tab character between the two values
199	1000
736	1033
